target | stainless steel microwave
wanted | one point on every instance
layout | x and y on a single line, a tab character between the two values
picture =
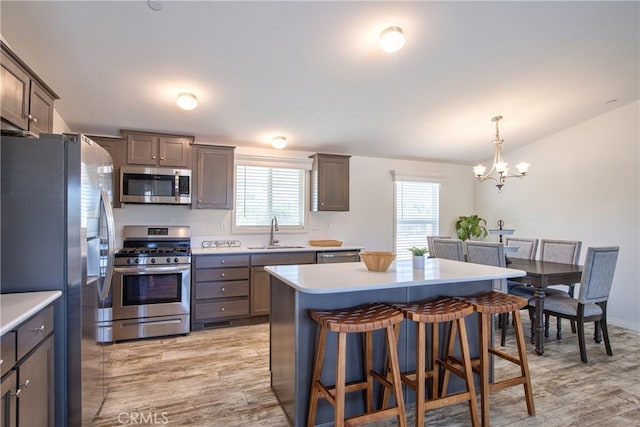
139	184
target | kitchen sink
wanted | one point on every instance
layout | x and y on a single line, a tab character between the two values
275	247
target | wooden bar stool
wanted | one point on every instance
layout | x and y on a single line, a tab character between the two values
435	312
485	305
364	319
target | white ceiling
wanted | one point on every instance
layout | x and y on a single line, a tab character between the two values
312	71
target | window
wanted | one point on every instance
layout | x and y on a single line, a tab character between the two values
417	214
263	192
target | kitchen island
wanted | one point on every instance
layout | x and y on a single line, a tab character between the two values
297	288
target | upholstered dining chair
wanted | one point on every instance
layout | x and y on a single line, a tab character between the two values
527	249
448	249
591	304
490	254
430	243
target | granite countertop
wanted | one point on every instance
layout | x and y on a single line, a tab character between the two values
16	308
354	276
258	250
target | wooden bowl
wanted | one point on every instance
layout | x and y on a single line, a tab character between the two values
377	261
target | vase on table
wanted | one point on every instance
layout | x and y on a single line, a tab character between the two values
418	261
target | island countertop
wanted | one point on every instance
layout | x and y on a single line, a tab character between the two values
18	307
354	276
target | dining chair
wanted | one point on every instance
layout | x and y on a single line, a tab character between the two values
591	304
487	253
448	249
527	249
566	252
490	254
430	243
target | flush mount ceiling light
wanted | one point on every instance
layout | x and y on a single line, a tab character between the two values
392	39
279	142
499	165
187	101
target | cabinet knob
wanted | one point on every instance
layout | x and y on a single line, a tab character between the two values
39	329
222	290
16	394
222	262
33	119
222	275
25	384
153	157
161	158
222	309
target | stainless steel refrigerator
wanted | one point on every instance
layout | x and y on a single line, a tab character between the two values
58	234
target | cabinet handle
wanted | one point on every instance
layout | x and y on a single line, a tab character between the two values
25	384
39	329
16	394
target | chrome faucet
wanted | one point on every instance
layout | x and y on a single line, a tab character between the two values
274	227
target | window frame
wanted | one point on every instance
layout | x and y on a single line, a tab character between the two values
397	178
281	163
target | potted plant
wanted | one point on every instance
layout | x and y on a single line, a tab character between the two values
471	226
418	256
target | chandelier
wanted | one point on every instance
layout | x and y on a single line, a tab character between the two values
499	165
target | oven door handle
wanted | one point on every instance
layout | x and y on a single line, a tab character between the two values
152	269
111	237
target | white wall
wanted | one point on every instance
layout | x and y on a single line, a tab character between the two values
369	221
583	185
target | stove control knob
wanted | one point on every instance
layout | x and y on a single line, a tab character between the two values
176	259
168	260
137	261
129	261
153	260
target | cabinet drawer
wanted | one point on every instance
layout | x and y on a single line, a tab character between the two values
212	310
215	261
212	274
34	330
232	288
7	351
284	258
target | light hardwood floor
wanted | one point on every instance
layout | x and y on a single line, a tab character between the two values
220	377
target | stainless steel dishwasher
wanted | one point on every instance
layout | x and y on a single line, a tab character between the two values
329	257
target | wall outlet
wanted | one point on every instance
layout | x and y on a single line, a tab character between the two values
223	225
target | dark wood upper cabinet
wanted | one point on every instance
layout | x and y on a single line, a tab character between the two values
26	101
213	170
152	149
330	182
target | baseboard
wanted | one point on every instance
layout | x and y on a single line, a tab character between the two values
624	324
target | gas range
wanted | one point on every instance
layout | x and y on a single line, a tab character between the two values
152	245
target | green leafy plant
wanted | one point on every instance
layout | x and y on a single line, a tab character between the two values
471	226
418	251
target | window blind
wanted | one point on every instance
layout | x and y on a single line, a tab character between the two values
417	215
264	192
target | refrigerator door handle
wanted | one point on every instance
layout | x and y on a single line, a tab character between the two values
108	212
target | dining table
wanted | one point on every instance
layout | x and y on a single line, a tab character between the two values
540	275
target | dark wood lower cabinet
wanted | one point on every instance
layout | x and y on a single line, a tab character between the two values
259	291
28	373
36	381
8	388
